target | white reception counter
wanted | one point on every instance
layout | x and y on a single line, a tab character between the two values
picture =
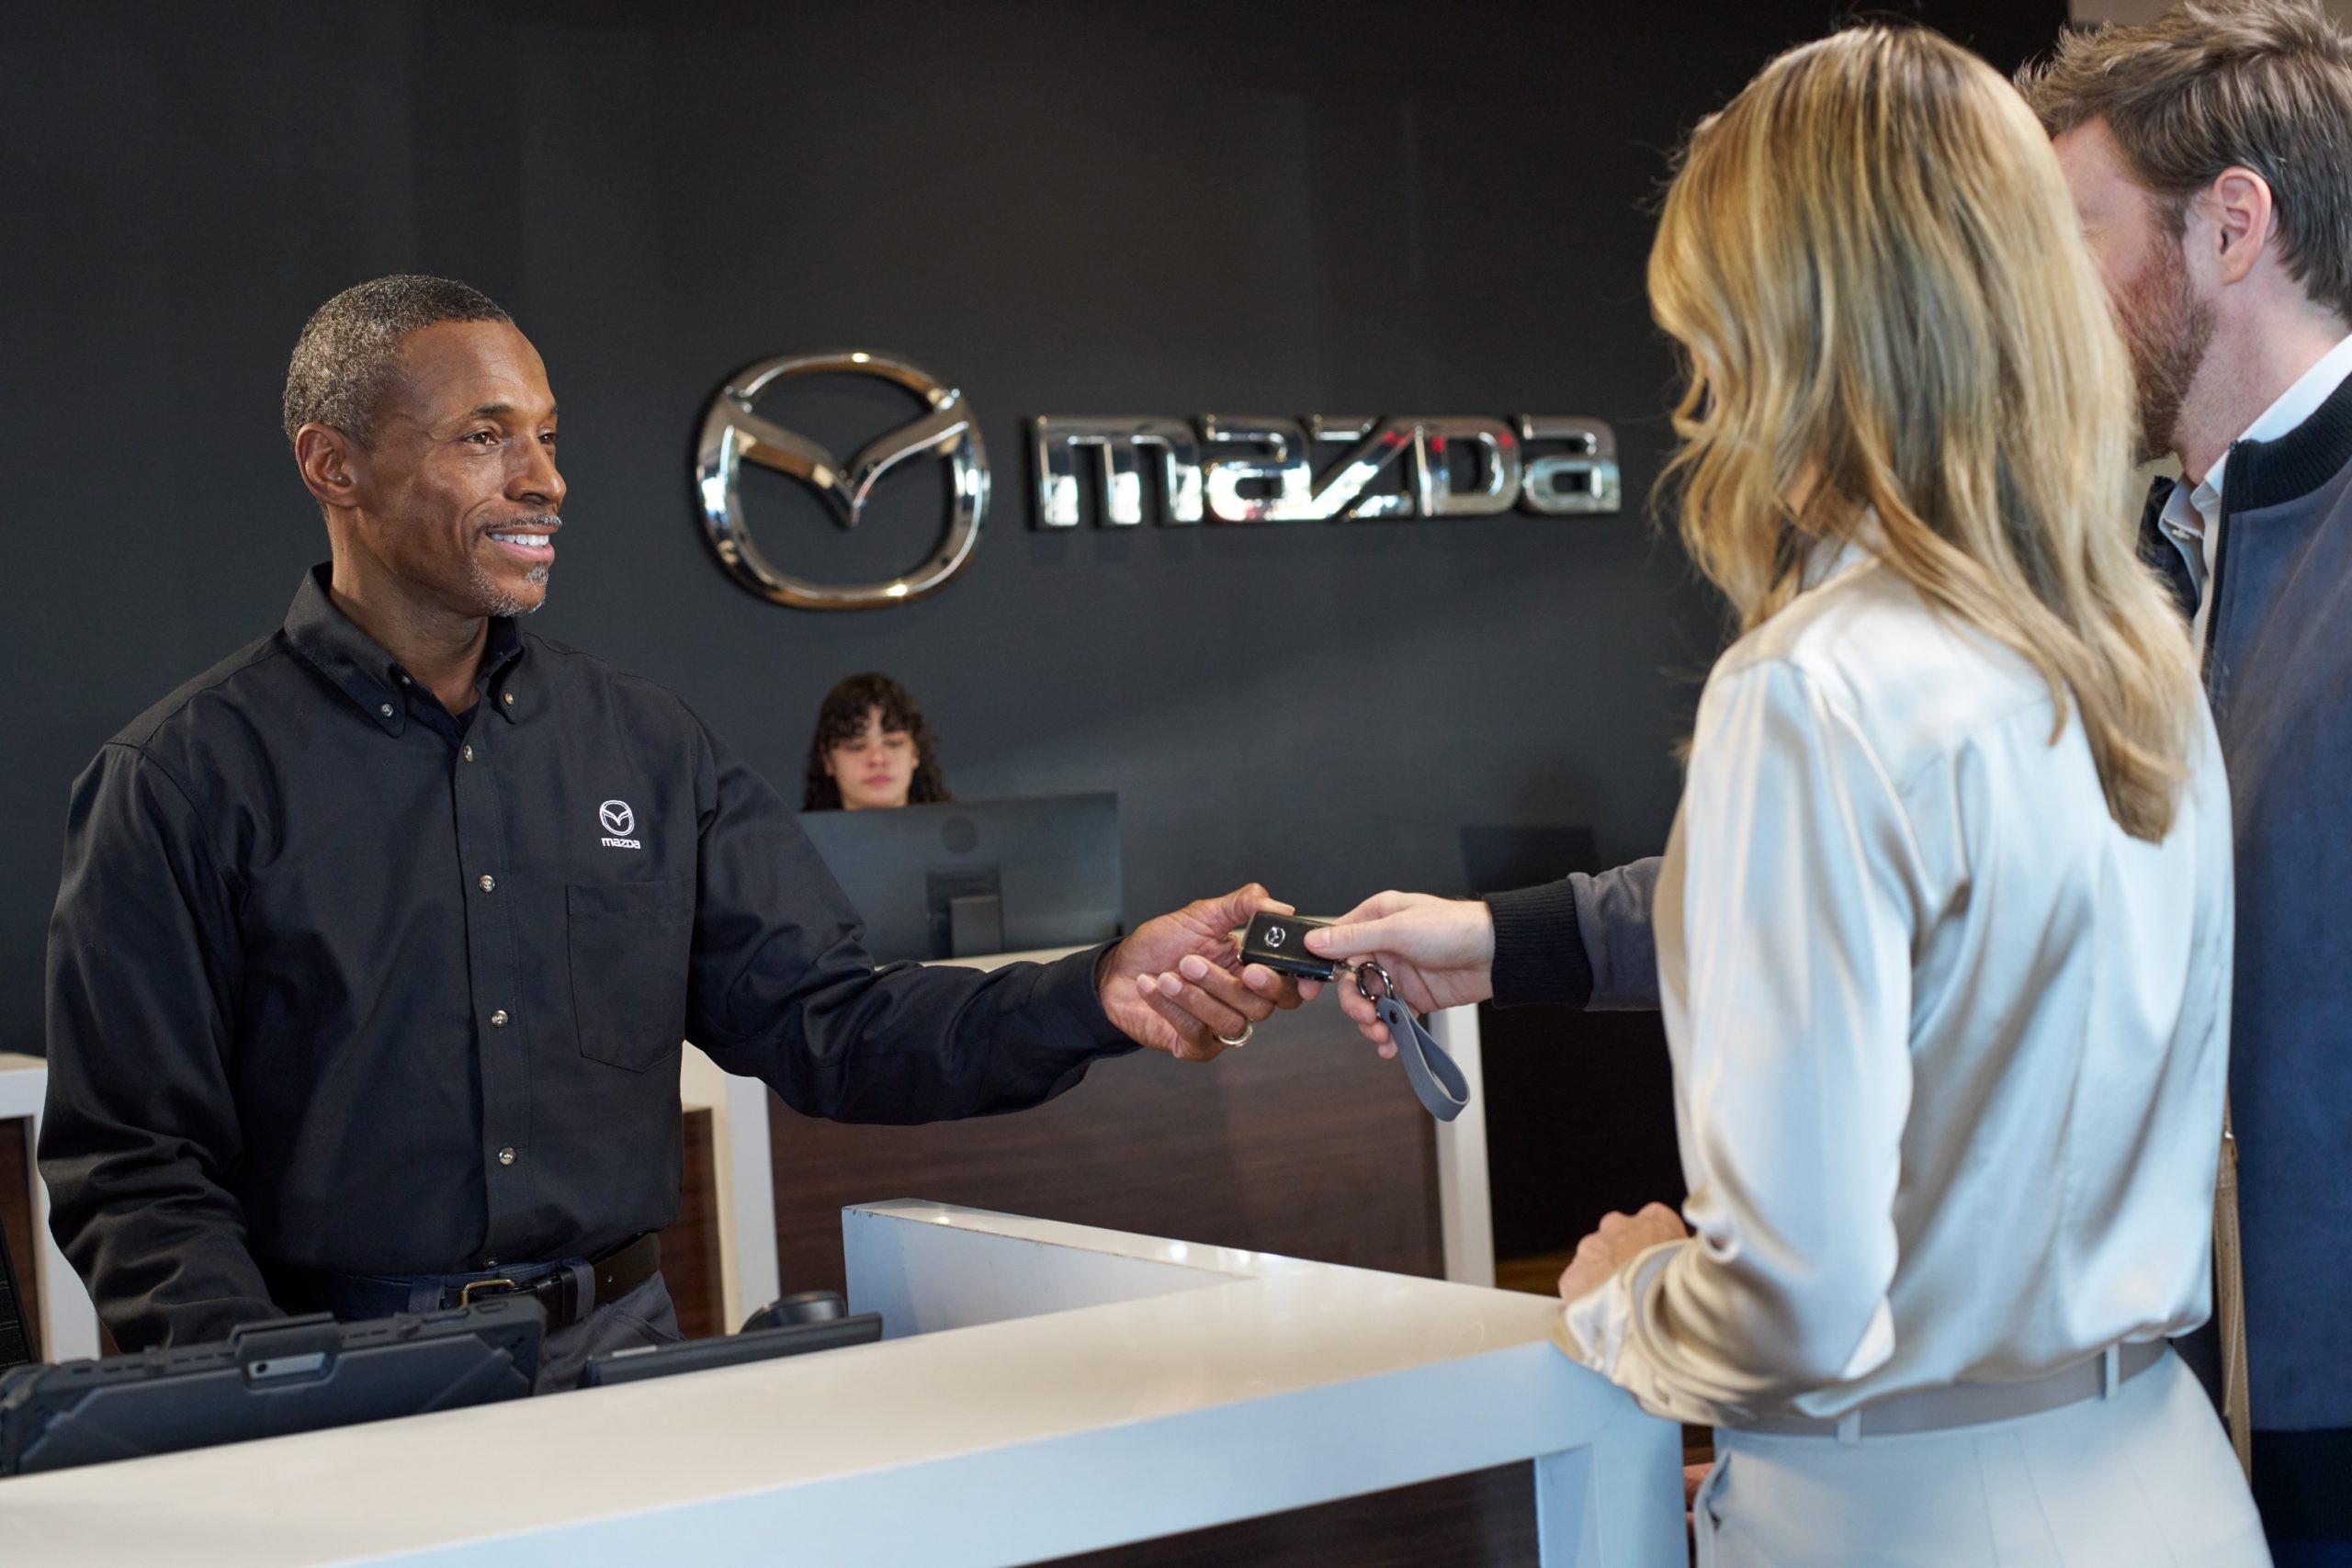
1046	1389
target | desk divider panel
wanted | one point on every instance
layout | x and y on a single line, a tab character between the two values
1304	1143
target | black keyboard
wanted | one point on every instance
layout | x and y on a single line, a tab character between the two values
295	1374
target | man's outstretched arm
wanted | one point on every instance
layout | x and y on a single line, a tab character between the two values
781	987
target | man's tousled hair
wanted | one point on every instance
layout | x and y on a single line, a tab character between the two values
349	350
2212	85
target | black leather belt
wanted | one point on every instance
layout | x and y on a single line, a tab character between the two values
567	1291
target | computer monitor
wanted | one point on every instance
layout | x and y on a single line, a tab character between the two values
15	1337
978	876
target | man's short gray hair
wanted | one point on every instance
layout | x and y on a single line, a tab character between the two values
349	350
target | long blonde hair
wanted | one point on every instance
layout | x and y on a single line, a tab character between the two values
1889	318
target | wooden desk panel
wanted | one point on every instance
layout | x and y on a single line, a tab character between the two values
1484	1519
690	1263
689	1248
16	1218
1304	1143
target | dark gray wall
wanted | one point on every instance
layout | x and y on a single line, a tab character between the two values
1062	207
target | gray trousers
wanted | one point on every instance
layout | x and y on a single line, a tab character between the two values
644	1316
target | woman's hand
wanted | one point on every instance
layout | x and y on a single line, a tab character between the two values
1440	953
1620	1239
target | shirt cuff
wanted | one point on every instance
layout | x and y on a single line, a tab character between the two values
1070	982
1592	1328
1539	952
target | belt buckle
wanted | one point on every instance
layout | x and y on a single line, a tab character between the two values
498	1287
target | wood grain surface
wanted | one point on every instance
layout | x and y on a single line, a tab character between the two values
1485	1520
17	1216
690	1247
1303	1143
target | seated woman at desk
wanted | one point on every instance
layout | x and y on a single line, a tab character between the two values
873	749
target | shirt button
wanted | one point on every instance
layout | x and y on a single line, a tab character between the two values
489	883
498	1018
508	698
506	1157
384	708
468	753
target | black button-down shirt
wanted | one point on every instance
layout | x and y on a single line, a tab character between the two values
341	981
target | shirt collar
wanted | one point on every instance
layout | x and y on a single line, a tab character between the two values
2189	507
332	644
2303	399
2286	413
1828	558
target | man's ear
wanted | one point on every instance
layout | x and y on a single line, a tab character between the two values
325	457
2237	204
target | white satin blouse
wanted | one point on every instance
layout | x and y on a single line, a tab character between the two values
1949	1046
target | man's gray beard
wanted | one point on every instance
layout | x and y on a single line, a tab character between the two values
2166	330
495	601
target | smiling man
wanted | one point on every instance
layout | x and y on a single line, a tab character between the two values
376	942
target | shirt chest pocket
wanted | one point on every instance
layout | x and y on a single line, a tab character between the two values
629	943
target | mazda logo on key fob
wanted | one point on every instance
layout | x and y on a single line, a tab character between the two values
1269	941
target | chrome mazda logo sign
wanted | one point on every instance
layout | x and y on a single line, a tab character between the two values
734	433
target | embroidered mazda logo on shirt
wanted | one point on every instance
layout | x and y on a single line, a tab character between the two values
616	817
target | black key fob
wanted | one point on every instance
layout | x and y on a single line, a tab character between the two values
1278	941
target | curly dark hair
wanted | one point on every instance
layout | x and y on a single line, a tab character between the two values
842	717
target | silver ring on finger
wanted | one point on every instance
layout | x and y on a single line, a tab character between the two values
1247	1030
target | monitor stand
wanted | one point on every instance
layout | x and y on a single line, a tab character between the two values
976	925
967	912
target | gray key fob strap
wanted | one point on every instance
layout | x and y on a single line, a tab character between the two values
1438	1082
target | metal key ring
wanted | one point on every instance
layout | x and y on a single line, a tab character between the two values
1387	984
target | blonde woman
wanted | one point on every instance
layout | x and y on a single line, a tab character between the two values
1944	926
